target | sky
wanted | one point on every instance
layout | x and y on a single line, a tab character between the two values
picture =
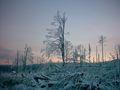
25	22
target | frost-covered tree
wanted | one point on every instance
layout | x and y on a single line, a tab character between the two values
101	42
81	53
112	56
68	50
55	37
44	55
75	55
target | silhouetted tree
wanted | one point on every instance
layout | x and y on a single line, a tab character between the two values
75	55
17	61
84	54
89	52
96	54
26	56
81	53
98	57
44	55
119	57
102	41
55	37
119	51
93	60
116	52
68	50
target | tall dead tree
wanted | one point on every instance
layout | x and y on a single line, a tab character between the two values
102	41
96	54
119	51
119	57
68	50
84	54
89	52
98	57
55	37
26	56
17	61
116	52
75	55
81	52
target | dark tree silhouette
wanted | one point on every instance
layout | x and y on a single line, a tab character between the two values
96	54
119	51
75	55
98	57
81	53
68	50
102	41
89	52
27	56
84	55
17	61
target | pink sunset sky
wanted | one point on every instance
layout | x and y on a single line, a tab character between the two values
25	22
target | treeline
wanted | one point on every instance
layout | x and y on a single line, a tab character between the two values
56	45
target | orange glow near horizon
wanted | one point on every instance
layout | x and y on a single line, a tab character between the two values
5	62
55	59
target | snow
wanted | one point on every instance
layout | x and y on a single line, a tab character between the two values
54	76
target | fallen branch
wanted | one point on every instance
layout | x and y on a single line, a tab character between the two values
42	77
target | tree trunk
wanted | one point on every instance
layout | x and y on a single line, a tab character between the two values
102	53
63	51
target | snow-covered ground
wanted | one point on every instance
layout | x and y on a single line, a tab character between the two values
98	76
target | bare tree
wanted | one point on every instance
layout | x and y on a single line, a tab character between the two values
55	37
102	41
81	53
84	55
17	61
96	54
75	55
89	52
116	52
44	55
98	57
119	51
68	50
112	56
119	57
48	50
93	60
27	56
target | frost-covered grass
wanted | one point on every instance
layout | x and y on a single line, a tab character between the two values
72	76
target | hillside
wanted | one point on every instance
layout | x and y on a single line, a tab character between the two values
53	76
